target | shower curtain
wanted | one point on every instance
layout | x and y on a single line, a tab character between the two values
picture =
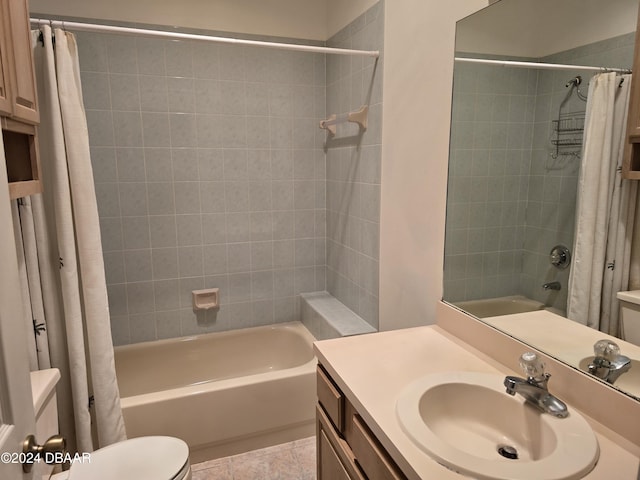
62	256
605	209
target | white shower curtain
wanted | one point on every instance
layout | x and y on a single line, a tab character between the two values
61	238
605	209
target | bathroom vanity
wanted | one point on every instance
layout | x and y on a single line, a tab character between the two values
361	379
346	447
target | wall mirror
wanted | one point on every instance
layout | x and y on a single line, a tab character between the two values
515	160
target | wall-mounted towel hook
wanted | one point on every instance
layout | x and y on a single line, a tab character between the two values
359	116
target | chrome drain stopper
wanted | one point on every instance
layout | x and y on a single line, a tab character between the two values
507	451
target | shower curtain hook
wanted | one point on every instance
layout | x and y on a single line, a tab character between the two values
40	33
53	36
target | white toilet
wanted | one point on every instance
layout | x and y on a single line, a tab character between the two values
630	315
144	458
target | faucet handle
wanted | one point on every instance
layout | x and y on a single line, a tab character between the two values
606	349
532	366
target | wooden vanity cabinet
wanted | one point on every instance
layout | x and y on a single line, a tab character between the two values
19	114
631	163
346	447
18	84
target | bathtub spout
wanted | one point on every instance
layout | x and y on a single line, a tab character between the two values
552	286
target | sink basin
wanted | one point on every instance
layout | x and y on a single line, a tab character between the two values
468	423
629	381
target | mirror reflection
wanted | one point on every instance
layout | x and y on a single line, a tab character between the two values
539	220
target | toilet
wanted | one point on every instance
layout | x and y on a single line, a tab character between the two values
630	315
143	458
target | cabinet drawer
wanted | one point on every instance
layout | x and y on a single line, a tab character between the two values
331	399
370	455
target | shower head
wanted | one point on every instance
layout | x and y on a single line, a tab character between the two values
574	82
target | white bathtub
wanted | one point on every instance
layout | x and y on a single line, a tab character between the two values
494	307
222	393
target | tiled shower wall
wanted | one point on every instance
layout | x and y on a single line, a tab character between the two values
546	186
490	155
353	168
210	172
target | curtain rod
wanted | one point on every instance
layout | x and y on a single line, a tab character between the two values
547	66
91	27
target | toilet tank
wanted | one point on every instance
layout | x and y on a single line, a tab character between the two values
45	407
630	315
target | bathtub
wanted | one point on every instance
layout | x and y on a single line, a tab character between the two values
222	393
494	307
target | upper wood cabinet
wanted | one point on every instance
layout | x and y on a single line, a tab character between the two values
19	115
631	164
17	84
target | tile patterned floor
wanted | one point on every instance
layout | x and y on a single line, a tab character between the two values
289	461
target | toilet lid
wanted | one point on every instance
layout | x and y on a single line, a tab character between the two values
144	458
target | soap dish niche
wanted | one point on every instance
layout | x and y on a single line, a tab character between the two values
205	299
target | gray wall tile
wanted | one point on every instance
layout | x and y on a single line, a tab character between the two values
135	231
130	164
103	164
150	53
208	162
140	297
137	265
165	263
351	195
125	92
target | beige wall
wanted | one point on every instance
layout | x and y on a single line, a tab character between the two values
527	29
285	18
312	19
341	13
418	55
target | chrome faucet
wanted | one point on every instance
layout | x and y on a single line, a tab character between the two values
534	387
552	286
608	364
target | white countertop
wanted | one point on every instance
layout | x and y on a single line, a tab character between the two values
570	342
372	369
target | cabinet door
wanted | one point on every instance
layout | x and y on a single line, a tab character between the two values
329	465
333	446
6	101
631	164
16	407
18	42
371	455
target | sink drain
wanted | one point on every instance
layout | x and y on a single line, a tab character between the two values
507	451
